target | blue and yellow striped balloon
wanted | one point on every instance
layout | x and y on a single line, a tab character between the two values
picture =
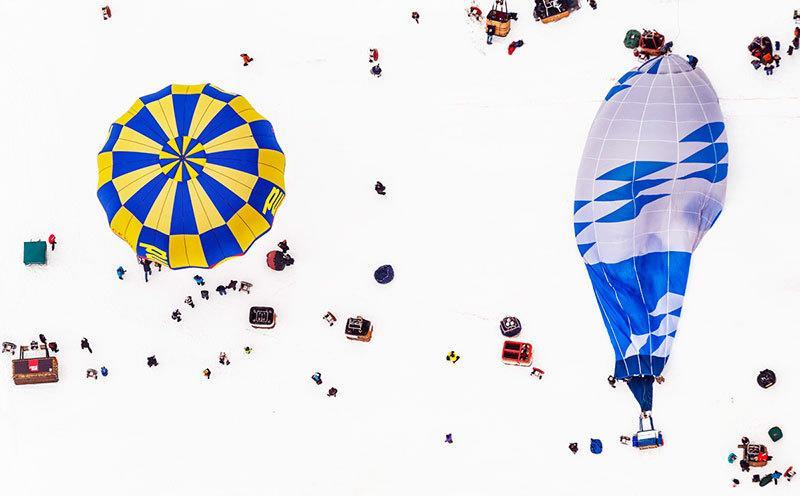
191	176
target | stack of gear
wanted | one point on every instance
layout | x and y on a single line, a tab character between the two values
498	20
554	10
358	329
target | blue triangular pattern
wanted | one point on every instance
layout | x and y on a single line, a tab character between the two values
654	68
715	219
627	76
580	226
579	204
713	174
711	154
631	209
630	190
676	312
642	168
616	89
585	247
707	133
655	321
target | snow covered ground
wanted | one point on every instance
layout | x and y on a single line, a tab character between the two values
479	152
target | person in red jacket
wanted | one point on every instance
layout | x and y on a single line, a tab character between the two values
514	45
247	59
106	12
52	240
373	55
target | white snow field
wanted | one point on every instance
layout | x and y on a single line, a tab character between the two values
479	151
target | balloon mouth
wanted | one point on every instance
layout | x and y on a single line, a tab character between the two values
182	159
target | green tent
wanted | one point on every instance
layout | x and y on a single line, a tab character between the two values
632	39
35	253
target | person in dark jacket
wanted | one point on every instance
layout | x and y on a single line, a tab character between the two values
692	60
85	345
120	272
152	362
332	392
189	301
147	269
376	70
232	285
42	338
221	290
104	371
204	294
284	246
489	34
593	4
380	188
573	447
176	315
415	16
199	280
53	346
744	465
612	381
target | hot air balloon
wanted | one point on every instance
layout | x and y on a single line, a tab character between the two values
651	183
191	176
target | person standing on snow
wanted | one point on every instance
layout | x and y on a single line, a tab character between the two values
207	373
85	345
158	266
573	447
52	240
415	16
223	358
332	392
373	55
120	272
612	381
514	45
593	4
204	294
106	12
221	290
744	465
176	315
376	70
489	34
152	362
246	58
692	60
147	269
42	338
380	188
189	301
199	280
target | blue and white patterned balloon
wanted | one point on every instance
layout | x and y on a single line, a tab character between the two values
650	185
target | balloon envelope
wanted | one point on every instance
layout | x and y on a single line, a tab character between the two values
190	176
650	184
